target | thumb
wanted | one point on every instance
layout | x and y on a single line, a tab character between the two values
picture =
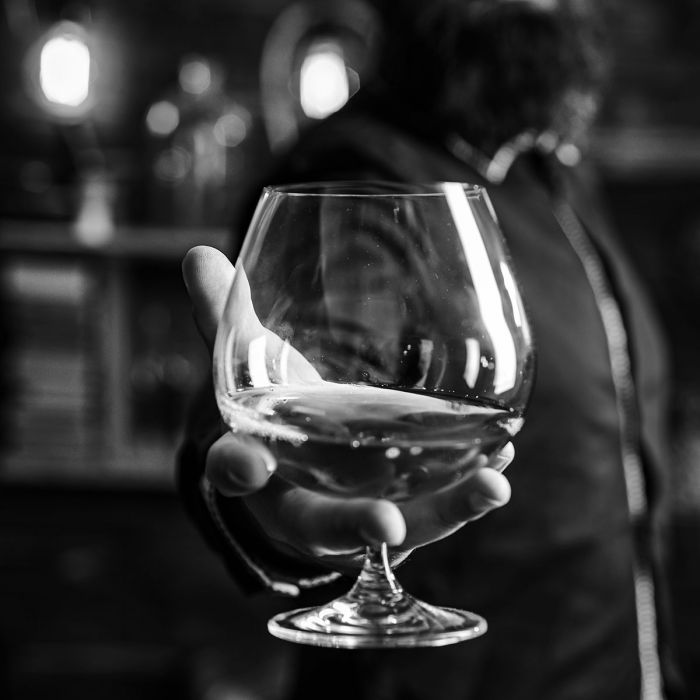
207	274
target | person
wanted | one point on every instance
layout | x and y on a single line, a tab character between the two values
570	573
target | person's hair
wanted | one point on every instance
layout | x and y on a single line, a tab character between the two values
490	69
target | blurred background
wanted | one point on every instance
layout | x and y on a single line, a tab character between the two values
129	132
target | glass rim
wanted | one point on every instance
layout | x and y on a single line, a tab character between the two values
382	188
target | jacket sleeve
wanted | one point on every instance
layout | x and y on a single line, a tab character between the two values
226	523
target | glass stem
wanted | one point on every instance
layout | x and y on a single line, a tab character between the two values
376	581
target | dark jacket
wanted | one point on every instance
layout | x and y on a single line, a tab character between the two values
566	573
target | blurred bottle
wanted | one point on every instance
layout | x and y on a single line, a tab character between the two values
195	155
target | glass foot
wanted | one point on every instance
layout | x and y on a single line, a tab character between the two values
377	612
347	623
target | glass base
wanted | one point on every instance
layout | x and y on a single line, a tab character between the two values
348	623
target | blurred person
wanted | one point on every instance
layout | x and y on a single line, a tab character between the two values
570	575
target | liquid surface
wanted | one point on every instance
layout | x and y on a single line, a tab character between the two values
350	440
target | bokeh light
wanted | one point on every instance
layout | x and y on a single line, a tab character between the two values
323	81
64	69
231	128
162	118
195	76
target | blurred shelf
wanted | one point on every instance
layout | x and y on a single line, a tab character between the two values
636	153
102	355
130	242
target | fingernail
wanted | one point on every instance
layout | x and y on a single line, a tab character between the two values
269	463
482	502
230	485
499	463
231	482
254	448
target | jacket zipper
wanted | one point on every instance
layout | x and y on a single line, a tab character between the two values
651	683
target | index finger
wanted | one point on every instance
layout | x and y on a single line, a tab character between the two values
237	464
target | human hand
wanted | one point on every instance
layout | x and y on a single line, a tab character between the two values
310	524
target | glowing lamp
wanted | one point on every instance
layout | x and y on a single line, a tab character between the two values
61	70
323	81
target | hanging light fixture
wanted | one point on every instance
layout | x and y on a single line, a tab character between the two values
61	71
